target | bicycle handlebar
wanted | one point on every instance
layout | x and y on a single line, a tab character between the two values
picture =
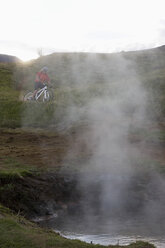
48	85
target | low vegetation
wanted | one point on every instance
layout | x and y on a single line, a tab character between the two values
12	169
17	232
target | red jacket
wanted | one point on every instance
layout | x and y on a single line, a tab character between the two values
42	77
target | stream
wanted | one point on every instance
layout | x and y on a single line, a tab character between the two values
106	232
113	209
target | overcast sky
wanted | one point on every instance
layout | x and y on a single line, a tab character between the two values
80	25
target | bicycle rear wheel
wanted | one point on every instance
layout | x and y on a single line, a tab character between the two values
28	97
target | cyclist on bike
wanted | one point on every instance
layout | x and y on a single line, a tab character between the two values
41	79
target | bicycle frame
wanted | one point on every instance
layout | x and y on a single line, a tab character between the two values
40	92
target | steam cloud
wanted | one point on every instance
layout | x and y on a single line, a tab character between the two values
114	183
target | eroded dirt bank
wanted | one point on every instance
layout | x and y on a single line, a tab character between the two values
57	185
45	188
41	195
52	193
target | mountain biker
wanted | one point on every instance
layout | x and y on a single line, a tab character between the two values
41	79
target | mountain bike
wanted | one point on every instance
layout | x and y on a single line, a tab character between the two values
42	95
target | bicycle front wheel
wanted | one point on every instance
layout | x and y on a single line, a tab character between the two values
46	97
51	95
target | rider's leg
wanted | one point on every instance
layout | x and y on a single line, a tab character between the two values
37	87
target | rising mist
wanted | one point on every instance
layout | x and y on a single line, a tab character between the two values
104	99
114	182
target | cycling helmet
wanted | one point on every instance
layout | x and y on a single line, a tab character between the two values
44	69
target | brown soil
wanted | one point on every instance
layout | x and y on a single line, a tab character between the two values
43	149
51	150
34	148
47	149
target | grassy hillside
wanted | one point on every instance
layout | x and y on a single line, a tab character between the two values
77	79
8	59
80	77
10	106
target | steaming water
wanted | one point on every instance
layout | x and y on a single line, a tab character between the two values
107	239
107	233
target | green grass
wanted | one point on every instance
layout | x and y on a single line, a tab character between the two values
17	232
10	168
10	114
7	89
10	106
